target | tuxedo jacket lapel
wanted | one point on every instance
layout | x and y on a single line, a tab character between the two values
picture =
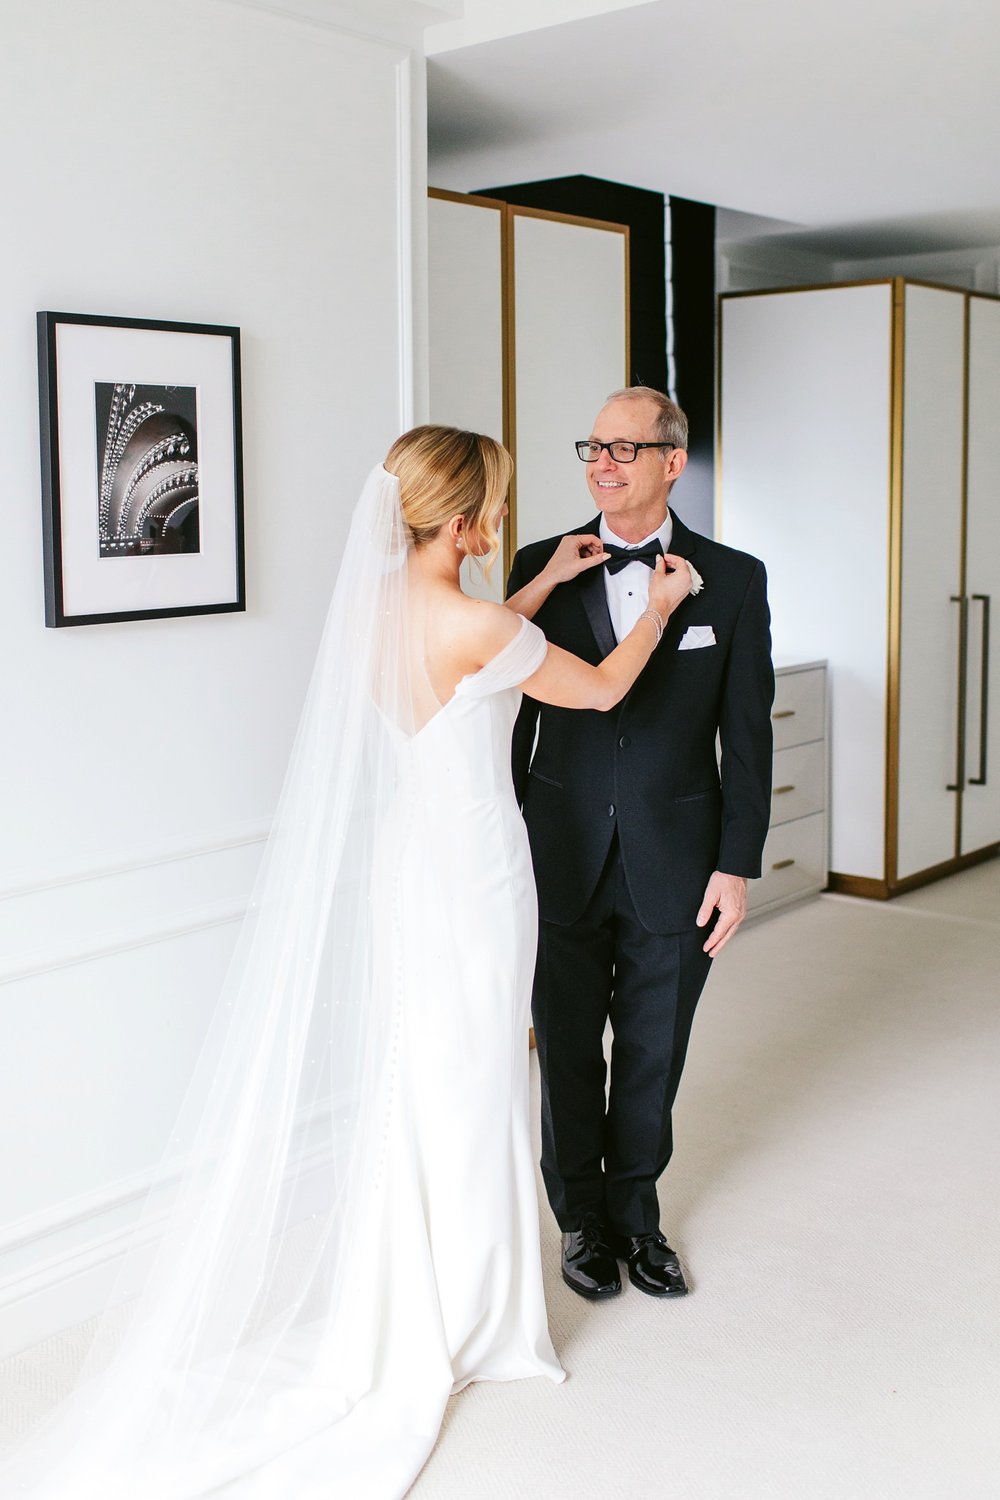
594	598
683	543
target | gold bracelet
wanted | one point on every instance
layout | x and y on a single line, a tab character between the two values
654	616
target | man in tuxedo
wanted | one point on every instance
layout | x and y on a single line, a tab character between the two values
642	847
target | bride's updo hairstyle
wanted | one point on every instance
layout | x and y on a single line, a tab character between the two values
444	472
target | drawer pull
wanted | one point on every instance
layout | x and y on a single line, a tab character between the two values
784	713
783	864
779	790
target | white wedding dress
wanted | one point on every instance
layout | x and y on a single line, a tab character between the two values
353	1233
445	1268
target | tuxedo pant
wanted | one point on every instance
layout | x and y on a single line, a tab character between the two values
603	1149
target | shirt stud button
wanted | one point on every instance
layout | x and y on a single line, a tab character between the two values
624	741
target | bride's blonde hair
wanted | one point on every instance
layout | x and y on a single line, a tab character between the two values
445	472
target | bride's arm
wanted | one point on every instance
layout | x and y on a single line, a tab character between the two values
574	554
566	681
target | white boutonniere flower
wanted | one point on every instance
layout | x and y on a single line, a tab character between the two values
697	582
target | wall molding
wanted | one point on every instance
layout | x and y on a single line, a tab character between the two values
99	1250
70	1284
182	924
232	838
405	241
125	1191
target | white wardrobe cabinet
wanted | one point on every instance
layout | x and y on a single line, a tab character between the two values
860	458
980	825
528	325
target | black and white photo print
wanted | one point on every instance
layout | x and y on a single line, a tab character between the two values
147	446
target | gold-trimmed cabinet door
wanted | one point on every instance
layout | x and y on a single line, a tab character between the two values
466	330
981	797
931	573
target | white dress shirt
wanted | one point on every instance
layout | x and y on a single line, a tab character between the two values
628	589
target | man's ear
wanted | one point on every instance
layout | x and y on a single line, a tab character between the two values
676	460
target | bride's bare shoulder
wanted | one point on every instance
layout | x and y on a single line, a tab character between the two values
488	627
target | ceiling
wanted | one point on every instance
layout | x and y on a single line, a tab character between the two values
867	117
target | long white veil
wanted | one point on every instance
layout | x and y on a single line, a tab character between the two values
227	1339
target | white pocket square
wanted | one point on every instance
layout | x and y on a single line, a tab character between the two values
696	636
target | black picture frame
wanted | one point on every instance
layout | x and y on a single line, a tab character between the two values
141	434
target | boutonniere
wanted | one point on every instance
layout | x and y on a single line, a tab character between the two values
697	582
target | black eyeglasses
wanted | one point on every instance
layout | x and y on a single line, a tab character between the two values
621	450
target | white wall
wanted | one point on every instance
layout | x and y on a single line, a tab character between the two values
215	162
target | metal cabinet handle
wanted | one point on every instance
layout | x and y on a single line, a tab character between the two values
784	713
958	785
984	692
783	864
780	790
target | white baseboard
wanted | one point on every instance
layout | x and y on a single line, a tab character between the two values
70	1254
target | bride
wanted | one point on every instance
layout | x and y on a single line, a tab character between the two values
342	1230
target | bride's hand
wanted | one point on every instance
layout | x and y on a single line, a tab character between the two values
574	554
667	590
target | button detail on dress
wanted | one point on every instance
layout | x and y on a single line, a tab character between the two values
624	742
611	810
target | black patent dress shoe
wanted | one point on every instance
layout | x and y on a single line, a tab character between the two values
589	1264
652	1266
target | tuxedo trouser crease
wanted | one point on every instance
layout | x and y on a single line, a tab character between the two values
602	1153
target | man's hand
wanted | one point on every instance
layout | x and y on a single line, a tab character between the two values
728	893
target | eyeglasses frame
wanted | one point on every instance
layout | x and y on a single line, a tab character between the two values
591	441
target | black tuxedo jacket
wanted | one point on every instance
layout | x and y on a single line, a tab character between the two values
649	766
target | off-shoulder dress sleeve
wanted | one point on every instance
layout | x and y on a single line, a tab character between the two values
522	656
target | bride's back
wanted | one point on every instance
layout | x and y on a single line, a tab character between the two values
442	644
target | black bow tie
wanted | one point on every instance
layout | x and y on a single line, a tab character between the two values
622	556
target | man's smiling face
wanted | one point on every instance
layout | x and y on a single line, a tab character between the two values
632	496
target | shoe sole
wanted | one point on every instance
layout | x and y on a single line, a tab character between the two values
598	1296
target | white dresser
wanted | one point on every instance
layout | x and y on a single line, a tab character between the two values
796	859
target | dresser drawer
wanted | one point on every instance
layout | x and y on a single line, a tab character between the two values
799	712
799	785
794	861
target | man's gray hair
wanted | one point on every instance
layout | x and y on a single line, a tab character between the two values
671	423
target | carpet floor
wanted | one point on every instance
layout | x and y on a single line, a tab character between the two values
834	1198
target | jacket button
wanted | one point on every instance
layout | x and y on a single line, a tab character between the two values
624	741
611	810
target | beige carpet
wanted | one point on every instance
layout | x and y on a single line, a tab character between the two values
834	1195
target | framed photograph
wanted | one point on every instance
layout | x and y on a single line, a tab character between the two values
142	475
